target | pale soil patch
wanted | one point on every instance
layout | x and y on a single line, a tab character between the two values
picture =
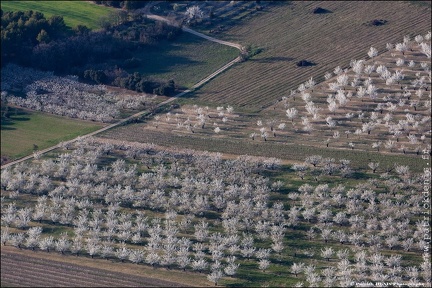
158	275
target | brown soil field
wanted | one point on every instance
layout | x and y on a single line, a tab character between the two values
290	32
183	126
24	268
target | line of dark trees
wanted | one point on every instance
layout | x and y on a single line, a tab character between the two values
126	4
135	81
31	40
22	31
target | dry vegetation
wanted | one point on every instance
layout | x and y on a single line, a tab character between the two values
394	120
291	32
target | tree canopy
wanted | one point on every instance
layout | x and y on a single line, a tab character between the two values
29	39
23	30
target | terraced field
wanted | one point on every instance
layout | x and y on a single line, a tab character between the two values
291	32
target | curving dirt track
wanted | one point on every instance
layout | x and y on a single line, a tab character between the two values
29	271
141	113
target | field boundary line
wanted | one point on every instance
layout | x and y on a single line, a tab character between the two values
145	112
196	33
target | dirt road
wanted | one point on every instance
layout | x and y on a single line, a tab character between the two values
142	113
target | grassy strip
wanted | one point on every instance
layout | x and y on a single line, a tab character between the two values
187	60
25	128
73	12
294	152
6	284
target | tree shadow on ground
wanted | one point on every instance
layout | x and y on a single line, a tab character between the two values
272	59
191	95
154	64
165	57
14	115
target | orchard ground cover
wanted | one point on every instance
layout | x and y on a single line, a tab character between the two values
179	209
292	32
74	12
337	220
335	115
186	60
288	152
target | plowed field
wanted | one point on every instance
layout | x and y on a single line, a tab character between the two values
27	270
292	32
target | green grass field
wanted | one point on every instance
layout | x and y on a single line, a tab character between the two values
287	151
27	128
188	59
73	12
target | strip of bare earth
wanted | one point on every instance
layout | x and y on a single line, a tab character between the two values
42	269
